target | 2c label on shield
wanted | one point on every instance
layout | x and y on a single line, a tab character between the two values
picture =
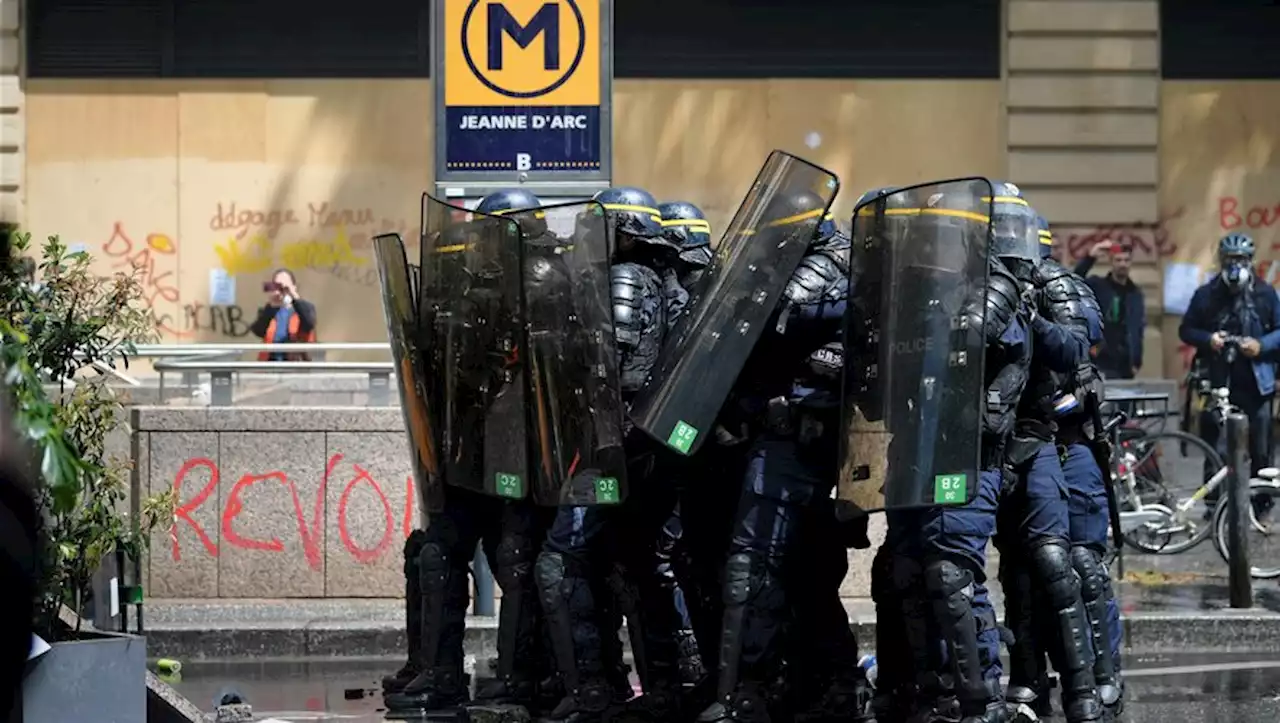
950	489
607	492
681	439
508	485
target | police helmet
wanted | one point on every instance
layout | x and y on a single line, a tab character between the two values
1235	257
795	211
1046	237
1015	229
943	232
634	212
684	225
873	194
511	200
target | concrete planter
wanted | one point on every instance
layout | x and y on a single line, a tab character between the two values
100	678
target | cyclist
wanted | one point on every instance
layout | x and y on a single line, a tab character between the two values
1233	322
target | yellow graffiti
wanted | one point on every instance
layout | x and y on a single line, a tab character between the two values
255	255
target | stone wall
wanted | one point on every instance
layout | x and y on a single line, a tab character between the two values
277	502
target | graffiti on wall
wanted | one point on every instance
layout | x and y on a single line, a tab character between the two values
332	239
1149	241
155	260
310	515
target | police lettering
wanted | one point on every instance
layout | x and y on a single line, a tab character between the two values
493	122
913	346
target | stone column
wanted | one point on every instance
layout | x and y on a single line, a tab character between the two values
13	139
1082	94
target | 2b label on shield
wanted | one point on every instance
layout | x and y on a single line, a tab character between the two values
950	489
681	439
508	485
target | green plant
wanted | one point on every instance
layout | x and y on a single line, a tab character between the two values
59	319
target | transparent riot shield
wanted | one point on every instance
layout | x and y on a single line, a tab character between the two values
914	348
471	313
575	405
399	306
769	234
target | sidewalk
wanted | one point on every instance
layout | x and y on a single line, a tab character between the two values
1163	612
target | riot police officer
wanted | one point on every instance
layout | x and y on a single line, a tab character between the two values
935	563
789	393
1034	540
1085	459
687	227
510	532
576	569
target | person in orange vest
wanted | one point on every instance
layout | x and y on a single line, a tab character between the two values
285	318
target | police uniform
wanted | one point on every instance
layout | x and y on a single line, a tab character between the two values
929	579
599	563
437	567
783	567
1036	551
1069	301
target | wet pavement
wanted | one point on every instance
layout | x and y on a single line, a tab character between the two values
1213	688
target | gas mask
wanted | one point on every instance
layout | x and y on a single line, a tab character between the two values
1237	273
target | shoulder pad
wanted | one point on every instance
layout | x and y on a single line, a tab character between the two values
999	305
637	300
1047	271
815	276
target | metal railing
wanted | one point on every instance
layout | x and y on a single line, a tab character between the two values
192	359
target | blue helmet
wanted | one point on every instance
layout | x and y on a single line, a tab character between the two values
1235	257
1015	226
873	194
509	200
684	225
633	211
1046	237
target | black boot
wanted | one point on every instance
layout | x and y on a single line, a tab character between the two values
519	651
441	684
846	699
574	634
396	682
1028	676
1069	645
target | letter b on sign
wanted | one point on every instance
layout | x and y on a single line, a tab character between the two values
523	161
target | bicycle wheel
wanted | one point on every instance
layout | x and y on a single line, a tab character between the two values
1168	468
1263	533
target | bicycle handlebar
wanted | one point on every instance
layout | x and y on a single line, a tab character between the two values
1116	420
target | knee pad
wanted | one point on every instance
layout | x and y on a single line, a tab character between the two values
514	557
548	572
1094	577
948	581
412	549
744	577
433	565
1052	564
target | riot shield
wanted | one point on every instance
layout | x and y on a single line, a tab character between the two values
575	402
914	350
400	309
471	318
733	301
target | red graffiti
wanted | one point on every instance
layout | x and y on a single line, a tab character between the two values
158	284
310	528
1232	216
1151	240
